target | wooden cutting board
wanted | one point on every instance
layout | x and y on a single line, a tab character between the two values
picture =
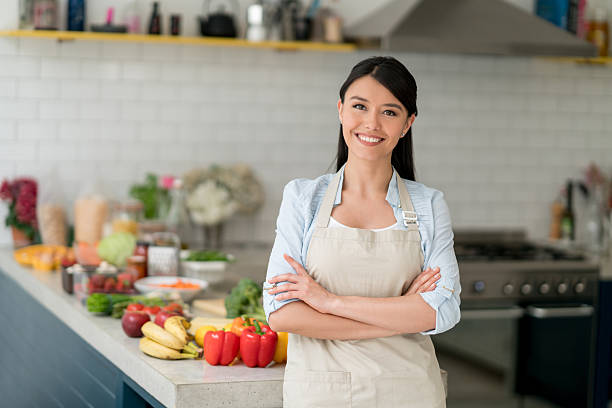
213	307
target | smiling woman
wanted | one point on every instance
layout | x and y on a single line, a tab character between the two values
362	269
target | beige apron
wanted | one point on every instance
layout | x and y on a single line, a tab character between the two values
398	371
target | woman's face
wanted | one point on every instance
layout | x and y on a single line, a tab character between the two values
373	120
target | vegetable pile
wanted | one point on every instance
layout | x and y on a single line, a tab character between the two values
245	299
115	304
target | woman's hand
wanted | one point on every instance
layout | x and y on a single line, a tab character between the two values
303	287
424	282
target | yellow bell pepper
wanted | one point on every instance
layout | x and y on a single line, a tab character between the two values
280	355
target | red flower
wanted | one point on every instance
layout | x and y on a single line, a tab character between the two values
5	191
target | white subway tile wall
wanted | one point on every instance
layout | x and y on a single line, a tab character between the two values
498	135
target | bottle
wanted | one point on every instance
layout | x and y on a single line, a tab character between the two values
132	17
598	32
178	220
155	20
76	15
567	218
556	210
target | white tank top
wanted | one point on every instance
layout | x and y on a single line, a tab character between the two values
335	224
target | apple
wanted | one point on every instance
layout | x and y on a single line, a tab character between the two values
161	317
132	323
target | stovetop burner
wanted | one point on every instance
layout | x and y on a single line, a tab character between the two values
512	252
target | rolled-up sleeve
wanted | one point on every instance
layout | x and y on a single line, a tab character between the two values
444	299
290	226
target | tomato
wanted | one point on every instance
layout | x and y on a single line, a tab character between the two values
173	307
134	307
152	310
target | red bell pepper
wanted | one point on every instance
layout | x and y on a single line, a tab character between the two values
257	345
220	347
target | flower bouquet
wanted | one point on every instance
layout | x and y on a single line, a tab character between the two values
21	197
218	192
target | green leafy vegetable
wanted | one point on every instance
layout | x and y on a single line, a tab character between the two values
207	256
103	302
245	299
117	247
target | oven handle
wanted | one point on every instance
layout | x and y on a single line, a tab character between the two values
514	312
548	312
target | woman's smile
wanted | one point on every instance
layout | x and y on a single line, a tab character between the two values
368	140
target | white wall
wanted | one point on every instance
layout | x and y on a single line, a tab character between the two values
498	135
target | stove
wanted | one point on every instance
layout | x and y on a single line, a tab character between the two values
505	268
524	304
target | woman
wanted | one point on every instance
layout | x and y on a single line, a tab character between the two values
351	274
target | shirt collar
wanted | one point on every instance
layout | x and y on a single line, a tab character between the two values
392	191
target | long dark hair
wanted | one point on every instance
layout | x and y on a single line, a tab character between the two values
394	76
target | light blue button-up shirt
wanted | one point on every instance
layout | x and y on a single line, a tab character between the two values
295	226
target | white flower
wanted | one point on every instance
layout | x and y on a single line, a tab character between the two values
210	204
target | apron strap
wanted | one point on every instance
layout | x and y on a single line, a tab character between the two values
408	213
327	205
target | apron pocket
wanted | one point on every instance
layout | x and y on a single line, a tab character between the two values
311	388
407	389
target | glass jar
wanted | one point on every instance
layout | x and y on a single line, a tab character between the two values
142	249
126	217
137	266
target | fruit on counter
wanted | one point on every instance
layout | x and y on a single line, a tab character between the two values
280	355
201	333
240	324
220	347
117	247
161	317
152	310
135	307
162	336
173	307
258	345
245	299
43	257
154	349
177	325
132	322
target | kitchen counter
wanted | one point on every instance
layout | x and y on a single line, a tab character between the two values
185	383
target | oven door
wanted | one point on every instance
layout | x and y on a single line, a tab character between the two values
479	354
556	353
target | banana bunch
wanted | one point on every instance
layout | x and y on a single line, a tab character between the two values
170	342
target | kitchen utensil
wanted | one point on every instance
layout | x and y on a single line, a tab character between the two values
150	284
219	24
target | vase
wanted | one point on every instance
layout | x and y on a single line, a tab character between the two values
213	236
20	239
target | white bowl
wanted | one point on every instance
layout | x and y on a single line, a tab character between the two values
149	284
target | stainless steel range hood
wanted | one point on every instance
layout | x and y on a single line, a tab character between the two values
466	26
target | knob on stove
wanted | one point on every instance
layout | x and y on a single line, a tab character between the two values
508	288
562	288
544	288
526	288
579	287
479	286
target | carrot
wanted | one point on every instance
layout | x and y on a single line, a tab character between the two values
179	284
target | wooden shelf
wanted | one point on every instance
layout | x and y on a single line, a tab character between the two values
166	39
584	60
